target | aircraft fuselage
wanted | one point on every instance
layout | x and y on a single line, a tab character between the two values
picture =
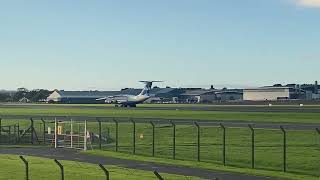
128	100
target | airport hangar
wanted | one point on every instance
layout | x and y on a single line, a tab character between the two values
159	95
210	95
274	93
197	95
90	97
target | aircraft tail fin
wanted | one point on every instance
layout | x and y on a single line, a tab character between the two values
147	87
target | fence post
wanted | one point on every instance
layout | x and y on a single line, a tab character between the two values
100	134
71	133
32	129
15	133
26	166
106	172
56	133
134	136
284	149
85	140
9	130
44	130
252	146
198	140
153	138
18	128
318	130
117	128
0	130
61	168
223	144
158	175
173	140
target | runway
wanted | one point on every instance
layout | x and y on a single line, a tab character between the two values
225	108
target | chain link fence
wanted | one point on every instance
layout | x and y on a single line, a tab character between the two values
284	149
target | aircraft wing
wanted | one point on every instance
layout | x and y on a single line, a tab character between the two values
100	99
149	81
109	97
116	96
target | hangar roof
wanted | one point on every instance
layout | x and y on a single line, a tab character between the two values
100	94
230	91
162	90
197	92
87	93
269	88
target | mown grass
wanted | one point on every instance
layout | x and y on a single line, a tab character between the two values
303	147
42	168
168	114
203	165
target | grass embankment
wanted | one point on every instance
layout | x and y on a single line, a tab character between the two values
203	165
13	168
168	114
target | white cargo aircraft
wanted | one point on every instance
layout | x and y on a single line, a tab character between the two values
130	100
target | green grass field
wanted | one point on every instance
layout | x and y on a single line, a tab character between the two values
303	147
168	114
203	165
13	168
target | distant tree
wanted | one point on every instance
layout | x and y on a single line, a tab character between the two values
4	97
21	93
22	89
33	95
37	95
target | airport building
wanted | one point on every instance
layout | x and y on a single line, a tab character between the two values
158	95
229	95
273	93
78	97
279	92
197	95
211	95
89	97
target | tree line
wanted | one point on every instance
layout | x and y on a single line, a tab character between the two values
23	94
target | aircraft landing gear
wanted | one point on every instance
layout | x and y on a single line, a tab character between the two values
125	105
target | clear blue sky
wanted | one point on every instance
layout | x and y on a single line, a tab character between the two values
100	44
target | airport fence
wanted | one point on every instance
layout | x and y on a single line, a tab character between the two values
282	149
